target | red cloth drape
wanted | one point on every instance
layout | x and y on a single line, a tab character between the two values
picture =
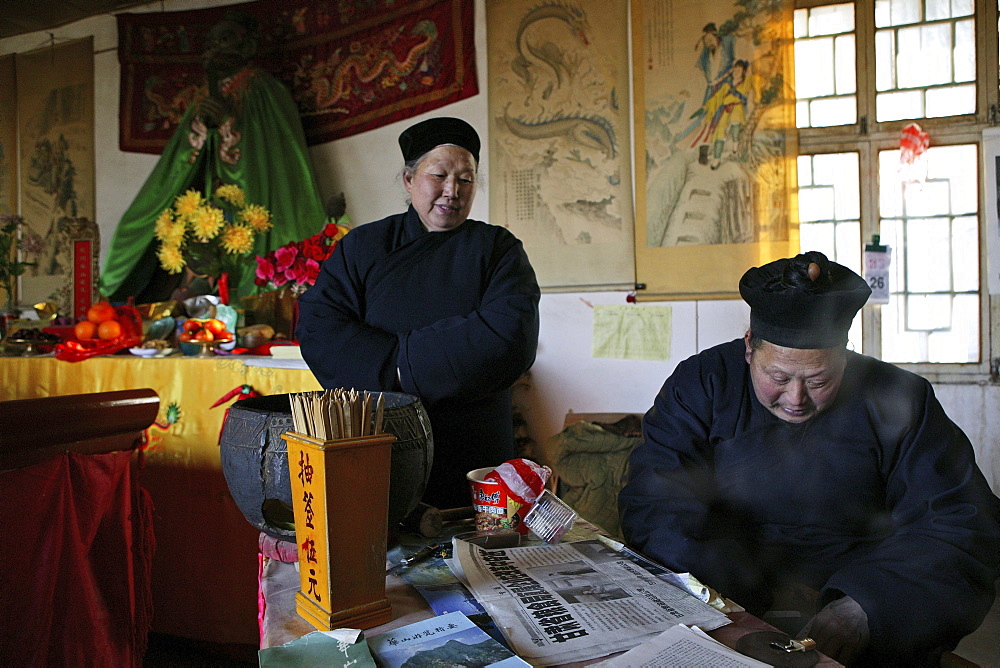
77	546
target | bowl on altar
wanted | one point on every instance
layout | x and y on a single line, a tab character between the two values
255	459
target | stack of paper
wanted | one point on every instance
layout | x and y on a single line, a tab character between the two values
333	414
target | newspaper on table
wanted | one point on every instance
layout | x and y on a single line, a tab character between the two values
574	601
682	646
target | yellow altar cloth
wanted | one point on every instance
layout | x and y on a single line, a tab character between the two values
205	567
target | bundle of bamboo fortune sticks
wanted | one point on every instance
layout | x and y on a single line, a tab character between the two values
334	414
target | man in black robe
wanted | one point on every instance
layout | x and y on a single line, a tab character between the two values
433	304
783	467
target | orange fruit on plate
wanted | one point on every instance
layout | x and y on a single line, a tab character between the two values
109	330
85	330
215	326
101	312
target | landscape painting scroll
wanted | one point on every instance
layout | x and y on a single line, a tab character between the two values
55	111
715	143
560	159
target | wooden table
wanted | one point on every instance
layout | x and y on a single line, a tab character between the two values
205	567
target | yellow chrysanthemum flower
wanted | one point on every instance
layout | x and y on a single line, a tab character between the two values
164	224
174	234
206	222
237	239
231	193
170	258
187	204
257	217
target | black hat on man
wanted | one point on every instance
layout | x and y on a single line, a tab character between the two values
425	135
804	302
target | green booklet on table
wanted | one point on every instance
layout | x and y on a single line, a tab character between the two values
341	647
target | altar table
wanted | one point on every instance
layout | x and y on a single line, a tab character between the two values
205	567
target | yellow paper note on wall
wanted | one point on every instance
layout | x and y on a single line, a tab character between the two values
632	332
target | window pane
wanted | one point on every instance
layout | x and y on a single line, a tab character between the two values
802	114
950	163
962	7
965	51
846	74
929	198
815	203
800	21
829	111
896	12
885	60
890	202
840	170
927	256
925	313
951	101
818	236
897	106
938	9
960	344
814	67
919	60
965	253
831	19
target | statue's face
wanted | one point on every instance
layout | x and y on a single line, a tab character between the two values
227	49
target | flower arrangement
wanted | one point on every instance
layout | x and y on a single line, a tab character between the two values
296	264
10	267
209	235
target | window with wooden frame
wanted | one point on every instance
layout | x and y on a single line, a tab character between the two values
864	71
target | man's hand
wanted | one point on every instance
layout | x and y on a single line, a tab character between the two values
840	630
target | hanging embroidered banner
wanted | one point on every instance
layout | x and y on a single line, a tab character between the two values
351	67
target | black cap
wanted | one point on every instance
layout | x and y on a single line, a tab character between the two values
425	135
803	302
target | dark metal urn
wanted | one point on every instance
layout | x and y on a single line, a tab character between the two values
255	459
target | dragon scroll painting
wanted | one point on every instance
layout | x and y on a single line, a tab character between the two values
560	162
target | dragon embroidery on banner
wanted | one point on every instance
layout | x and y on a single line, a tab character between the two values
538	55
336	78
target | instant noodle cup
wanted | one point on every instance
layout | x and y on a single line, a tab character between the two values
495	510
502	496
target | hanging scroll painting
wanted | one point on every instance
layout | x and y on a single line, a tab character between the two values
55	111
560	174
8	137
716	143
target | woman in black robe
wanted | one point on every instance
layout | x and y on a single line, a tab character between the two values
433	304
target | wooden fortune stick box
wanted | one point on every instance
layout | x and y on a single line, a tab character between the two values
340	495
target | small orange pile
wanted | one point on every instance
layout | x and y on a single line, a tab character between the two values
101	323
210	329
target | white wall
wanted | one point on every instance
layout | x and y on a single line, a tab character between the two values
366	166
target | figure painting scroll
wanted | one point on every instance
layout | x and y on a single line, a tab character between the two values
716	142
559	137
